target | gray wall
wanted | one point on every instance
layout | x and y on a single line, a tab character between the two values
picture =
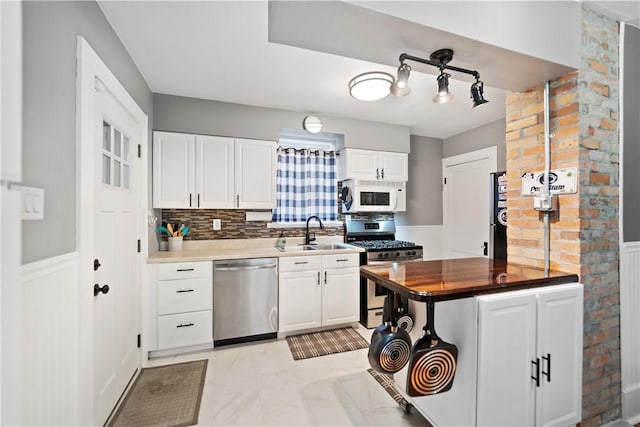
49	100
424	189
192	115
476	139
631	135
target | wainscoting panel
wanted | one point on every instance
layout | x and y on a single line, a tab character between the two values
429	236
630	330
49	341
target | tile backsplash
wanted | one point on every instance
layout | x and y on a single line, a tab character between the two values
235	226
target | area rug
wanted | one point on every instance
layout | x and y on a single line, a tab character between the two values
386	381
326	342
164	396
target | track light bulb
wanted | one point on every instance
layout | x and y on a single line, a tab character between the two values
399	87
477	93
443	95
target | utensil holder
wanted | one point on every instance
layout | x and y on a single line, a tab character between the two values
175	244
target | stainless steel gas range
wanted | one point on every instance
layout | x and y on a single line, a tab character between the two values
378	239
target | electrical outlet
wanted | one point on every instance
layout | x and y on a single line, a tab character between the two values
217	224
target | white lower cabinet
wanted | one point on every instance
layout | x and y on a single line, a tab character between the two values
530	357
181	316
502	340
318	291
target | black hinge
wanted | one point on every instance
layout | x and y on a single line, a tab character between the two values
139	246
139	341
139	151
445	180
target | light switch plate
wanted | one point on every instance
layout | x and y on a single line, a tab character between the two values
216	224
32	202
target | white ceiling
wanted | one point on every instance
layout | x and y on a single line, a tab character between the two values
220	50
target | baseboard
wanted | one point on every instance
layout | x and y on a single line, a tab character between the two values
631	405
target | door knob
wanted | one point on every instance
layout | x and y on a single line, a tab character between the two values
97	289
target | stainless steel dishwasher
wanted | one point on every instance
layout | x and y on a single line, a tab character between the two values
245	300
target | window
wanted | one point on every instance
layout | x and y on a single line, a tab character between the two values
306	182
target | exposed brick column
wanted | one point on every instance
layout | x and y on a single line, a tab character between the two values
584	233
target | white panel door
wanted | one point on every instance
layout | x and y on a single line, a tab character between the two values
394	166
173	172
506	349
466	203
299	300
340	296
115	322
214	172
559	397
255	174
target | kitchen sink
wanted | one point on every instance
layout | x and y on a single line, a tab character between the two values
331	247
298	248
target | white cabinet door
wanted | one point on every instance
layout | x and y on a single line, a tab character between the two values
340	296
506	349
255	175
394	166
558	399
299	300
214	167
360	164
173	174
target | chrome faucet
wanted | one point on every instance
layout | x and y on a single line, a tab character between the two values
308	239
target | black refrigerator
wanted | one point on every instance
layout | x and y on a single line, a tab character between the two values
498	216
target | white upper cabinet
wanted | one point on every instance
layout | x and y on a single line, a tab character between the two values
255	174
214	172
199	171
371	165
173	170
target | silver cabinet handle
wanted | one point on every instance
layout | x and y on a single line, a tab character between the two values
237	200
198	199
189	199
185	269
325	277
183	290
342	260
377	173
382	174
318	278
301	262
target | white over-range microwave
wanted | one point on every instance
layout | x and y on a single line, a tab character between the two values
373	196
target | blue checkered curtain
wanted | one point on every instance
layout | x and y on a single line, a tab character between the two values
305	185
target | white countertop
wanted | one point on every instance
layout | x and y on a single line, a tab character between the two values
213	250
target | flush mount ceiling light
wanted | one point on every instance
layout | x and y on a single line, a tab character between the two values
439	58
370	86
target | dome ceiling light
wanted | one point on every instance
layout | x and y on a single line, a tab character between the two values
370	86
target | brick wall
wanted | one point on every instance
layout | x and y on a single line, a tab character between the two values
584	232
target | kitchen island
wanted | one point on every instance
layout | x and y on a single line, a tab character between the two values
442	280
518	333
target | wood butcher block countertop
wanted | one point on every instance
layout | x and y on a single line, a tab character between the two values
460	278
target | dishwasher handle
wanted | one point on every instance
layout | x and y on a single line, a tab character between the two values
222	267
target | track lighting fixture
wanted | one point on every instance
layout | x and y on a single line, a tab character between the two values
477	93
440	58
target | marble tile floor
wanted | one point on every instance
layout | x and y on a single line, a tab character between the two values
260	384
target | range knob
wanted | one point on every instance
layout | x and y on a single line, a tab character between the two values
386	254
380	255
397	254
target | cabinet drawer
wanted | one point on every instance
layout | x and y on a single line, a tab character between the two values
184	270
180	330
179	296
340	260
300	263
